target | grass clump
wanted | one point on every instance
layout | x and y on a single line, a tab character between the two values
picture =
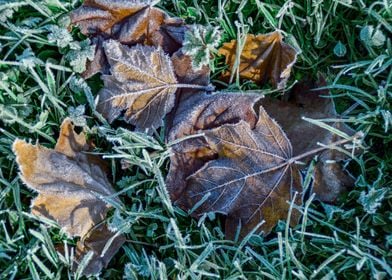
347	41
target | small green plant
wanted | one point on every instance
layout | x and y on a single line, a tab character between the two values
201	44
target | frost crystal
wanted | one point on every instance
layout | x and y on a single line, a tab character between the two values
372	200
28	59
372	37
60	36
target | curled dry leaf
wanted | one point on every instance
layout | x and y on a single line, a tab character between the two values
253	179
129	22
264	57
329	178
196	114
69	183
96	240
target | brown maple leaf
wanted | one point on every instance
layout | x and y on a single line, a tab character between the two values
247	172
99	16
197	113
129	22
142	84
264	57
329	178
70	184
253	179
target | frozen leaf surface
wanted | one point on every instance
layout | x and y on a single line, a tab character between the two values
186	74
129	22
99	62
253	179
264	57
198	113
100	16
329	178
95	241
142	84
70	184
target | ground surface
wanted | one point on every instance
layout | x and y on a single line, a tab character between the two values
345	40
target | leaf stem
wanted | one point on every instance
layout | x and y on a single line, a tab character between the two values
206	88
209	87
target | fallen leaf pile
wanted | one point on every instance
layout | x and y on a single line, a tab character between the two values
129	22
237	154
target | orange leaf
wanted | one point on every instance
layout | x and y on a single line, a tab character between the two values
264	57
70	184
